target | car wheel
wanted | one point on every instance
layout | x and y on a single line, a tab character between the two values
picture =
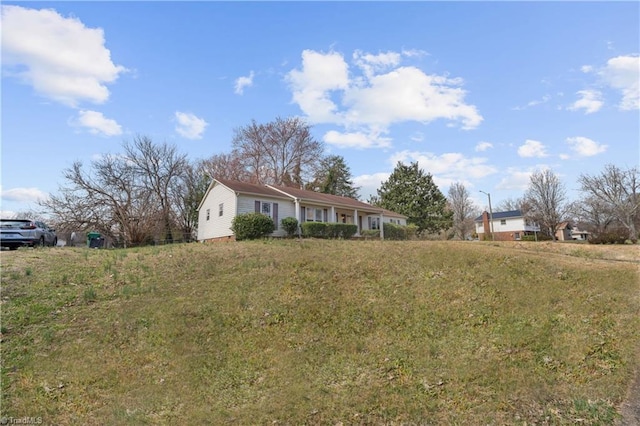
41	243
55	242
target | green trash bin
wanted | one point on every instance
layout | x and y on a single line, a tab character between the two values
92	236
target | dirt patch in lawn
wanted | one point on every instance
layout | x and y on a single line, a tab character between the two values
630	408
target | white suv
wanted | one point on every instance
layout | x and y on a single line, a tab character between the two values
15	233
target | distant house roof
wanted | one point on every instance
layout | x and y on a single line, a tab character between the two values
511	214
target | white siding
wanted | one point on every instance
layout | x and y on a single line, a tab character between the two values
286	208
217	226
396	220
511	225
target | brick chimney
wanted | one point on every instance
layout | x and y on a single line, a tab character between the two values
485	223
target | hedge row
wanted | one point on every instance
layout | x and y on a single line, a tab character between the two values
400	232
250	226
539	237
328	230
609	238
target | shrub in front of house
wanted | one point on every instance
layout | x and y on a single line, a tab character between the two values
251	226
343	230
328	230
539	237
290	225
608	238
412	231
394	232
314	230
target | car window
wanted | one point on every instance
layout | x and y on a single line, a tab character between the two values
13	223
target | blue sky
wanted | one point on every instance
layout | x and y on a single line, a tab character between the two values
482	93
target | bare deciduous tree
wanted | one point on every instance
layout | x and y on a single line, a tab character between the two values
281	152
187	195
619	192
129	198
105	199
510	204
463	210
545	198
225	166
157	166
593	215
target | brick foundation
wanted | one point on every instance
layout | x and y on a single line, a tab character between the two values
220	239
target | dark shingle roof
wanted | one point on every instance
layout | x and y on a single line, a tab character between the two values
502	215
336	200
304	195
251	188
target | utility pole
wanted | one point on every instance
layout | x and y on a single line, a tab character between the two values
490	214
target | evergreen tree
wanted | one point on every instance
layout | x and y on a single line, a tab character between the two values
412	192
333	176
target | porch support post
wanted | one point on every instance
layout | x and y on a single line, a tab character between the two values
381	226
296	202
356	221
333	214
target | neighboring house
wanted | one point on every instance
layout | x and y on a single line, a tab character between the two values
225	199
578	235
564	231
567	232
507	226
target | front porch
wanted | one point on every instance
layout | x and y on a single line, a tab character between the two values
364	220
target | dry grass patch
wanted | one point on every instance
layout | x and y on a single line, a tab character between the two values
358	332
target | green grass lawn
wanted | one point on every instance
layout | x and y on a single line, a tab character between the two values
320	332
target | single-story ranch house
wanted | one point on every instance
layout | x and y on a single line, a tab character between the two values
225	199
506	226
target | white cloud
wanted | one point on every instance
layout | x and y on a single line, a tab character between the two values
623	73
369	184
356	139
515	179
586	147
535	102
384	93
417	137
24	195
409	53
59	57
97	123
242	82
320	75
372	64
586	69
532	148
590	101
448	167
190	126
483	146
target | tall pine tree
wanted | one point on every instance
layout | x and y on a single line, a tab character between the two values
333	176
413	193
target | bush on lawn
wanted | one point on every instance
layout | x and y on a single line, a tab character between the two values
251	226
290	225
